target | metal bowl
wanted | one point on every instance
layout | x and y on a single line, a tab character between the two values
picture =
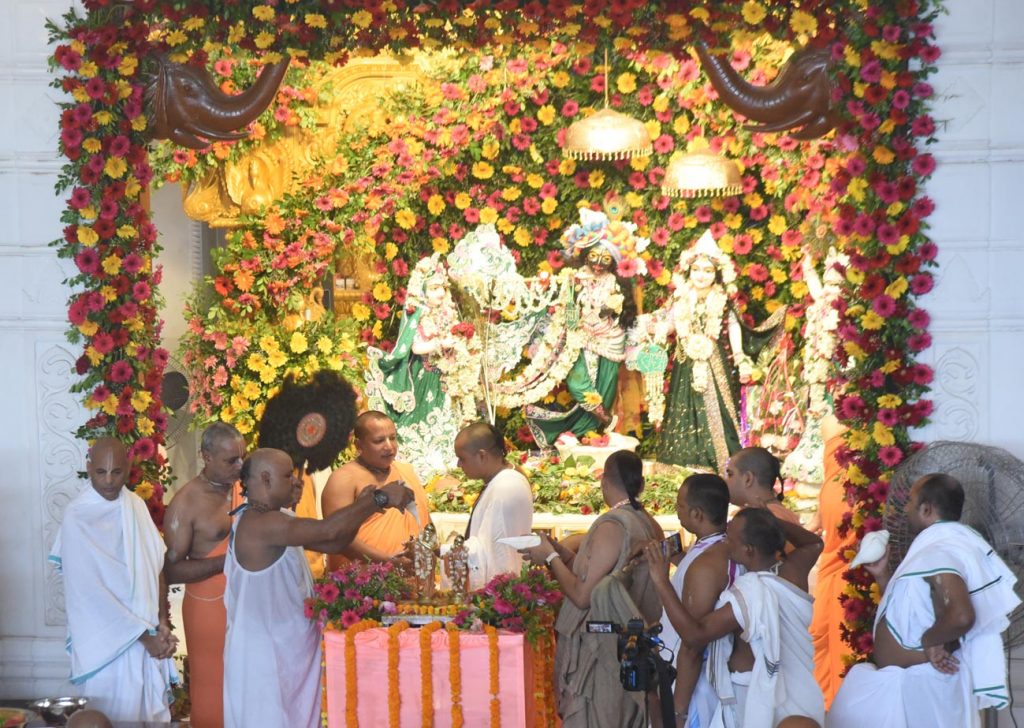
58	710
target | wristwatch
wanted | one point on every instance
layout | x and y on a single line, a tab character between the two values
381	499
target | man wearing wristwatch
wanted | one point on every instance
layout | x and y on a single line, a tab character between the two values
268	581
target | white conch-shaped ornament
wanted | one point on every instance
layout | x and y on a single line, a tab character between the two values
872	548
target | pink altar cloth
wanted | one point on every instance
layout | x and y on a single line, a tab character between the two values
515	678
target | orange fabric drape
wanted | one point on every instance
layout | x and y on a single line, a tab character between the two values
829	648
306	508
389	531
205	623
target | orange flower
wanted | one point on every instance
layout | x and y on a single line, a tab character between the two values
274	223
492	650
394	695
244	279
455	674
427	673
351	684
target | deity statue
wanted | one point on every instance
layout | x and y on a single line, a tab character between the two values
424	562
427	383
456	568
700	425
596	317
805	464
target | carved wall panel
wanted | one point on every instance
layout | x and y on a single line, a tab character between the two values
60	456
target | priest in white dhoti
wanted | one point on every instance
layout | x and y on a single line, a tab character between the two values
938	654
272	649
111	556
503	508
702	505
769	674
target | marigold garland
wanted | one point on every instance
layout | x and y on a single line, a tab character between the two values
394	694
351	684
427	672
542	655
455	674
492	650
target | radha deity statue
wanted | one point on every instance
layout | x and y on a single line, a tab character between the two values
427	383
599	313
712	358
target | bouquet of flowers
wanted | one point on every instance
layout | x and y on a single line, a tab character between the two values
526	603
354	592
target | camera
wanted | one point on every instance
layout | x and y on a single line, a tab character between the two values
641	665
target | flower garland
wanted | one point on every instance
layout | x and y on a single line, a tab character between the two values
394	693
495	686
455	673
427	672
698	325
351	678
542	656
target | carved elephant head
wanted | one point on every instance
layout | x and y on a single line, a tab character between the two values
184	103
799	98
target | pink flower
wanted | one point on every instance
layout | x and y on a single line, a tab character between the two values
143	449
349	618
919	319
664	144
329	592
884	306
921	283
922	126
742	244
121	371
627	268
103	342
141	291
923	165
919	342
88	261
132	263
888	417
890	456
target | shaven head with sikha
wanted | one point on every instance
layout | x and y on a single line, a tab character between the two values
107	466
269	478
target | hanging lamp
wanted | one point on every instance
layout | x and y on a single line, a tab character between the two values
607	134
701	173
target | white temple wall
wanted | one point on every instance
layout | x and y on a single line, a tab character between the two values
977	305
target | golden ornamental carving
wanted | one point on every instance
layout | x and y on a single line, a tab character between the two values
351	95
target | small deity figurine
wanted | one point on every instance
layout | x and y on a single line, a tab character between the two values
426	384
597	319
424	562
456	566
712	358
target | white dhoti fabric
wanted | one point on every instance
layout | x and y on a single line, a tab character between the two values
774	616
896	696
504	508
110	555
272	650
703	701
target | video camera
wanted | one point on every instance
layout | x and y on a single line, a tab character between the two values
641	666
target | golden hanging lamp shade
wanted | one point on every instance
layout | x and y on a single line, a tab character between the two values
702	174
607	134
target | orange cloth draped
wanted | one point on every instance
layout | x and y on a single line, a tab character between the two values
829	648
205	624
202	611
388	531
306	508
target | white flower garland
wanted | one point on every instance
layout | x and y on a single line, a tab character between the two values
698	325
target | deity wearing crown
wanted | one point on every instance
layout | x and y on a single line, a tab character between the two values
427	383
595	322
712	354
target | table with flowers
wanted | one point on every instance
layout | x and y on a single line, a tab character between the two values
490	664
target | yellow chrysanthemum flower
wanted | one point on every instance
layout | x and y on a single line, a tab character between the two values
298	342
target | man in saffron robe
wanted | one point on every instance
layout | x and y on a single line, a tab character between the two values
383	536
196	529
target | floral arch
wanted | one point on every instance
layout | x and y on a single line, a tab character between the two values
484	144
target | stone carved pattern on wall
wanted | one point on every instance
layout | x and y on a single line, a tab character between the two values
956	390
61	456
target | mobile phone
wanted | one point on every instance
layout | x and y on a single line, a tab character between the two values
671	545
